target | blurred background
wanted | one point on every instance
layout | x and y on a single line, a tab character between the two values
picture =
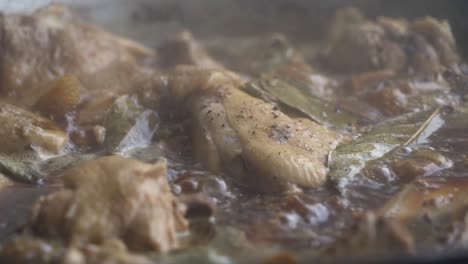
150	21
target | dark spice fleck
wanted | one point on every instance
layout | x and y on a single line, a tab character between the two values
281	134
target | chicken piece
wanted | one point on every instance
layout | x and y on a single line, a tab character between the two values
105	86
423	46
395	96
93	108
342	19
439	34
25	249
276	148
364	47
389	95
183	49
423	57
435	210
50	43
420	163
260	146
395	28
61	99
112	198
22	130
428	199
215	142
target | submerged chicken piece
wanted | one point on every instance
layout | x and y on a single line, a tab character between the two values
420	163
428	199
259	145
22	130
112	198
50	43
423	46
373	236
424	213
433	209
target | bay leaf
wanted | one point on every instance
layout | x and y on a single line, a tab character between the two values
348	159
289	93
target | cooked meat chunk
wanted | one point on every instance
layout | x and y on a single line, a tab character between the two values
22	130
266	149
420	163
342	19
26	249
414	202
277	149
183	49
105	86
215	142
93	108
423	46
439	35
50	43
112	198
61	99
53	63
29	250
363	48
